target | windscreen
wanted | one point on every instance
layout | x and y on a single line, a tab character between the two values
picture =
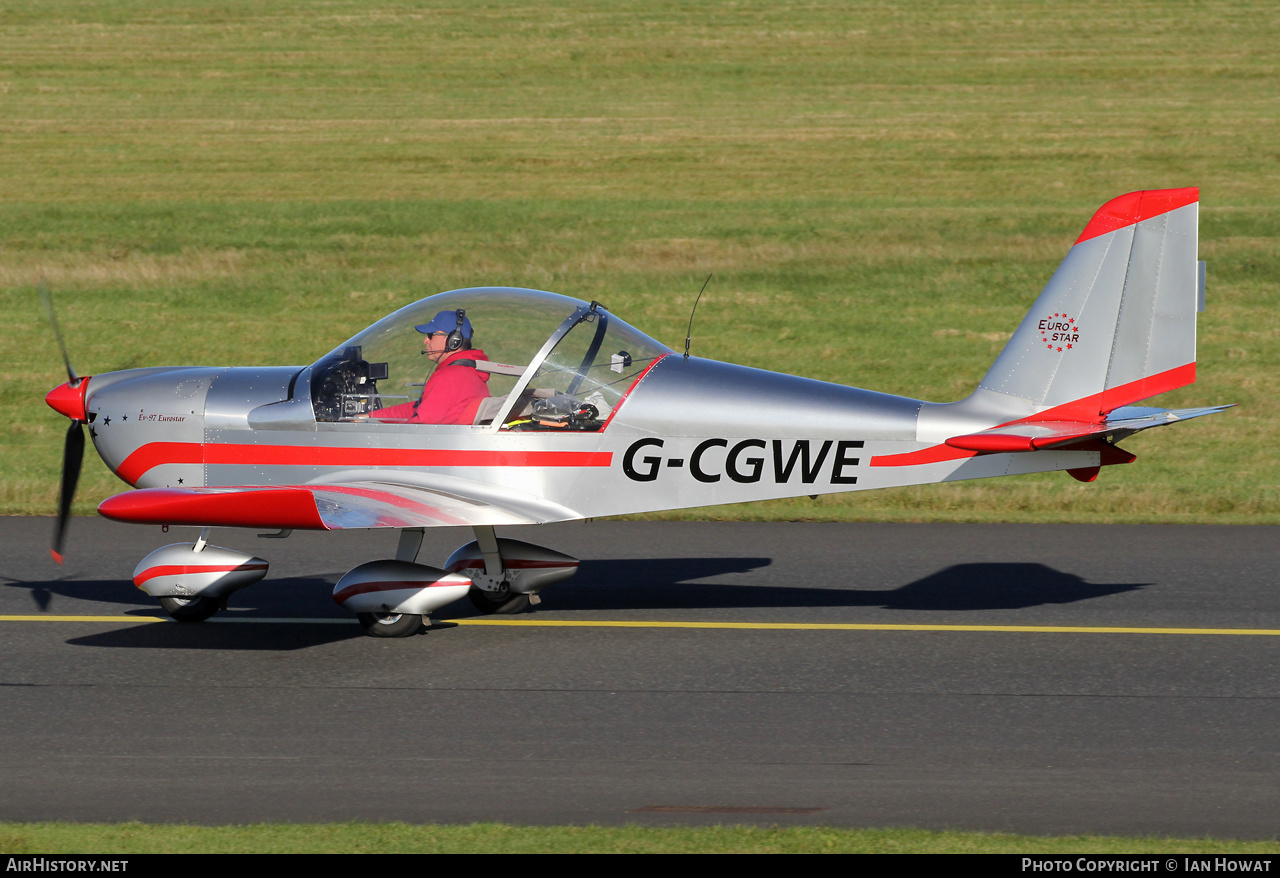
597	361
385	364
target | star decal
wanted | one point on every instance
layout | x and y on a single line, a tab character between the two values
179	481
124	417
106	422
93	434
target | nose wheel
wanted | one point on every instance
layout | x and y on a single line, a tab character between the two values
390	624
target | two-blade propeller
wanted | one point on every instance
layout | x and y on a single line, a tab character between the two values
73	448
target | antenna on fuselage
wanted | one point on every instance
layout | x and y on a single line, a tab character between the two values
688	333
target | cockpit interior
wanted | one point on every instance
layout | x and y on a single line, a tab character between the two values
552	362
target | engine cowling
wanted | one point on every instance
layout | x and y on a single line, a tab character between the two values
398	587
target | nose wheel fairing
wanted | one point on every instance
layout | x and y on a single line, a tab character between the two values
186	570
193	580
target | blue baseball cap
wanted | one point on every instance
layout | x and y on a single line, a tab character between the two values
446	321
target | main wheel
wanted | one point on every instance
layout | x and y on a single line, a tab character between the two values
504	602
390	624
195	609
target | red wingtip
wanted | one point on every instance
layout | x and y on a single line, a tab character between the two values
55	556
1136	207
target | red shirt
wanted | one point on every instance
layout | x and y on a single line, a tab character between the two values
451	395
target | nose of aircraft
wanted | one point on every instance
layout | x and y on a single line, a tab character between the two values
68	399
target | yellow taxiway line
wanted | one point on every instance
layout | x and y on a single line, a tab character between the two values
52	618
758	626
858	626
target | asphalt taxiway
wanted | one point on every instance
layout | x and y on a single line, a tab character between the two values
1041	679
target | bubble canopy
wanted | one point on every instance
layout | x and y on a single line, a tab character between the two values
535	344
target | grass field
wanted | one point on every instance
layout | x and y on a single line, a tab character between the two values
137	838
880	190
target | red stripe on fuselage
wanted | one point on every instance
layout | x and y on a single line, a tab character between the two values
154	454
933	454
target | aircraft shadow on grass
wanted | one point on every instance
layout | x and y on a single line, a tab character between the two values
658	584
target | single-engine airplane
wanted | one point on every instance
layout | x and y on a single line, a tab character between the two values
580	415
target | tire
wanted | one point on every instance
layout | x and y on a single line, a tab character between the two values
195	609
390	624
502	603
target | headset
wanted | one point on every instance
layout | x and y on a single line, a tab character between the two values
455	338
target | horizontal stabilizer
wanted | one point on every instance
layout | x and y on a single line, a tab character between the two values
1038	435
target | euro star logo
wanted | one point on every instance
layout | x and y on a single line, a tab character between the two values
1059	332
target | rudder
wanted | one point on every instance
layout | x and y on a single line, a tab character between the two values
1117	321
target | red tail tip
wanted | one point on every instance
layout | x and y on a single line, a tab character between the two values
55	556
1135	207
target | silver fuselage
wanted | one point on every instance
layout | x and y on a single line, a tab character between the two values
691	432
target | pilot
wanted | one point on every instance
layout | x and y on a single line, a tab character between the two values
456	388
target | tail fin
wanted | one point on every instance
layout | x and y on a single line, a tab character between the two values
1116	322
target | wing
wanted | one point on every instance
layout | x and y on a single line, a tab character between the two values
359	504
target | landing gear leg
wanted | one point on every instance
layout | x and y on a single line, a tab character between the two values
410	544
498	599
